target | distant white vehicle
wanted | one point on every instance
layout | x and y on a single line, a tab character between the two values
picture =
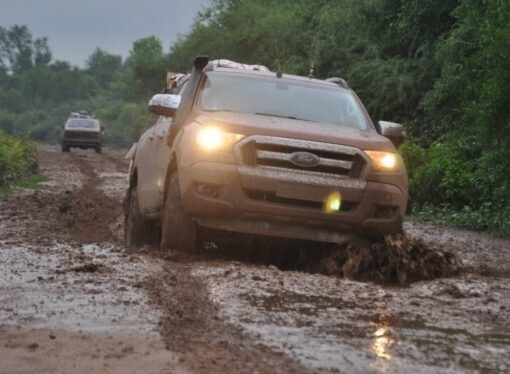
83	131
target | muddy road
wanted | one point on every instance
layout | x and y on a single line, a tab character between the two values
73	299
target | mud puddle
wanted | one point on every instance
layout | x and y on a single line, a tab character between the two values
332	324
71	298
398	305
74	299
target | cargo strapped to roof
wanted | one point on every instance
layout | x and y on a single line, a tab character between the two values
223	63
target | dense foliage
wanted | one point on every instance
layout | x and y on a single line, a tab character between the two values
441	67
18	160
37	94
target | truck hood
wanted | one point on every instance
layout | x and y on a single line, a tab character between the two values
253	124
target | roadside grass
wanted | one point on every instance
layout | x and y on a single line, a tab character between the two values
33	182
18	164
495	220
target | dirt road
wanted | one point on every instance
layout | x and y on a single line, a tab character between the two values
74	299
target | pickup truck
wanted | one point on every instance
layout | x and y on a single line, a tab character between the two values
239	148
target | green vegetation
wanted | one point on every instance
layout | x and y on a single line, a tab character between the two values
441	67
37	94
32	182
18	164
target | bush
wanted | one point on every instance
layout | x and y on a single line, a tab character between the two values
18	159
452	182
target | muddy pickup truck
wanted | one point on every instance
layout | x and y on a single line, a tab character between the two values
82	131
238	148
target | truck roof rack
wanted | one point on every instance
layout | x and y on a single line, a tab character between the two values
80	114
339	81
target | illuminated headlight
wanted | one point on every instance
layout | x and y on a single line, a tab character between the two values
384	161
212	138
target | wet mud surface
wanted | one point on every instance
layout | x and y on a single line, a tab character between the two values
74	299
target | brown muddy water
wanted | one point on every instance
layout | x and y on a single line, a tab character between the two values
73	299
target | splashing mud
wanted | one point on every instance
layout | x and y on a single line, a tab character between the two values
396	259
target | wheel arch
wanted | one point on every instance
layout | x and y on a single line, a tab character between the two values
172	166
133	178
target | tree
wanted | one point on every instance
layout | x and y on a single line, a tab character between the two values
144	71
16	48
42	52
19	53
103	66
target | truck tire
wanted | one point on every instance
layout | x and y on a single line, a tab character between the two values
97	148
178	229
65	147
135	228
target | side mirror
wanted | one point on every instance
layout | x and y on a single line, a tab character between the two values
164	104
393	131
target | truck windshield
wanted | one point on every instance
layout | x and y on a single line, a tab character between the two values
82	123
285	98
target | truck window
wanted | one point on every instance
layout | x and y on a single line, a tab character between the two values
75	123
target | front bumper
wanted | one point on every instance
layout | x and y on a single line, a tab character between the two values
288	203
81	143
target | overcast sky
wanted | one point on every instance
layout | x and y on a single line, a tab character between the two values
76	27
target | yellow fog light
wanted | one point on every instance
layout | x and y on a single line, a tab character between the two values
333	202
384	161
212	138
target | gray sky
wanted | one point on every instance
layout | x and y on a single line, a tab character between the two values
76	27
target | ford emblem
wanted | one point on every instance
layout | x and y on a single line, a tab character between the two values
304	159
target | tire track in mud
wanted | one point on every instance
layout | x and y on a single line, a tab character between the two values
193	328
83	214
88	213
190	325
71	298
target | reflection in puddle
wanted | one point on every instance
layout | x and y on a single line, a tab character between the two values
382	343
381	346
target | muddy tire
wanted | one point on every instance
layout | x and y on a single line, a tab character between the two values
65	148
97	148
178	229
135	228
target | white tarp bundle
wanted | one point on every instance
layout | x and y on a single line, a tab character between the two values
236	65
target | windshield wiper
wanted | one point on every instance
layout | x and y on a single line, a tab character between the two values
282	116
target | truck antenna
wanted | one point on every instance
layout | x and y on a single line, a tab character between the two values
312	70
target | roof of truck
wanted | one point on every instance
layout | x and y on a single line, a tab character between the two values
271	74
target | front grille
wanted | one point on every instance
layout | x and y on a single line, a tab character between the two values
81	135
282	153
270	197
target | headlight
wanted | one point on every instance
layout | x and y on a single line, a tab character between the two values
212	138
384	161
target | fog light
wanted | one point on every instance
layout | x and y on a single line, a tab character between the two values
333	203
385	211
209	190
